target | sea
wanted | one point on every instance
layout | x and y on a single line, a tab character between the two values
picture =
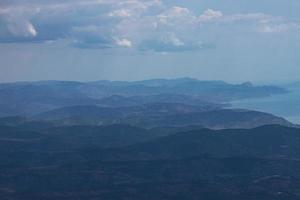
283	105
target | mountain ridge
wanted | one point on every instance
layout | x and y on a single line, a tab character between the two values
163	114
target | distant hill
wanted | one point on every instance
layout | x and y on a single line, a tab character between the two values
30	98
215	119
125	101
153	109
162	115
292	86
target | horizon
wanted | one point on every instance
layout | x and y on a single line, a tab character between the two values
257	83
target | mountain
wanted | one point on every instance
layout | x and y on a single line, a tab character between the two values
144	140
125	101
271	141
162	115
31	98
123	142
215	119
71	138
251	164
217	90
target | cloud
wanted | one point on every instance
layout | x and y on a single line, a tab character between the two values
21	28
174	15
278	28
272	29
120	13
210	14
171	43
177	11
15	24
82	20
141	24
124	43
257	17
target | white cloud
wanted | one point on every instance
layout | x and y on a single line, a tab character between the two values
141	5
179	29
277	28
177	11
30	30
124	43
133	8
174	14
120	13
249	17
210	14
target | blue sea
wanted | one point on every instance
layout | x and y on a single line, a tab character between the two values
283	105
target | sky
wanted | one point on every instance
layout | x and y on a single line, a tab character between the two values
87	40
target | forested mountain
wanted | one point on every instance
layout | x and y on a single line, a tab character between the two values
121	162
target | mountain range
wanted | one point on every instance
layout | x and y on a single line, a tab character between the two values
28	98
161	114
157	139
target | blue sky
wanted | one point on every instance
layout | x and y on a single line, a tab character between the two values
231	40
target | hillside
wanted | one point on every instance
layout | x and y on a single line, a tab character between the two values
253	164
160	115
